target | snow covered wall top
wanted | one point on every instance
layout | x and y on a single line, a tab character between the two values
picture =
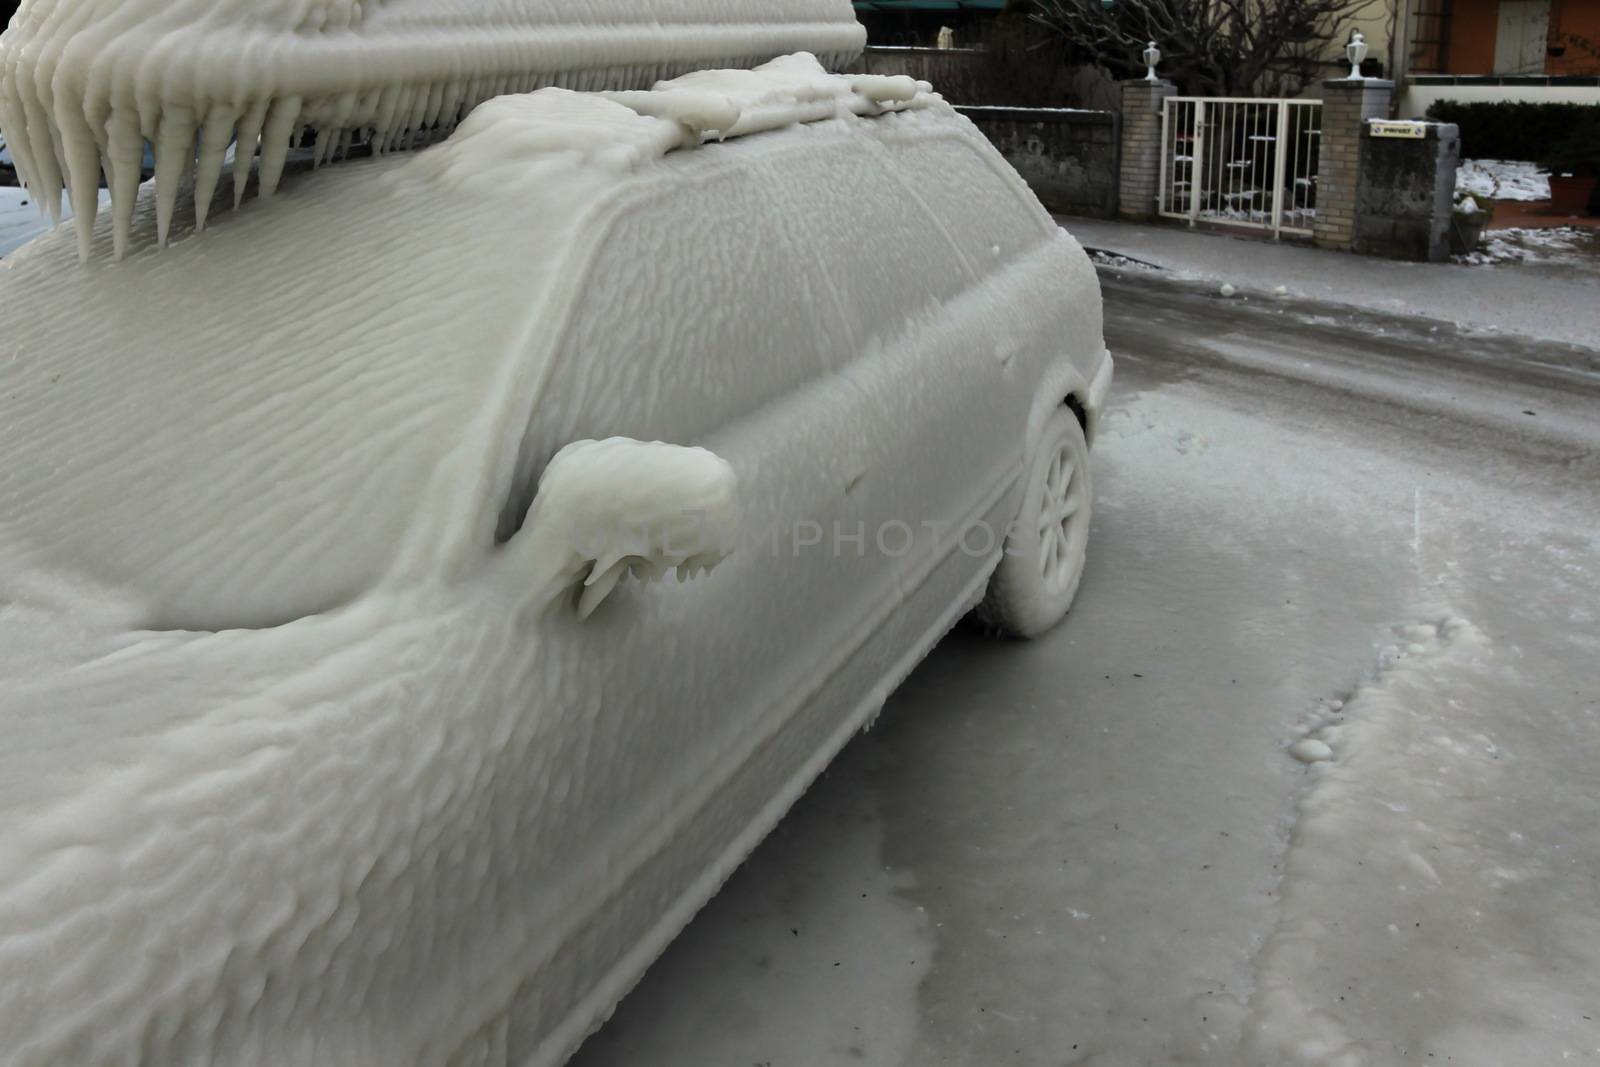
85	83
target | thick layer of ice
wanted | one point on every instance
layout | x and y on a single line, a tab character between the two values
787	90
303	762
618	508
328	344
84	84
259	357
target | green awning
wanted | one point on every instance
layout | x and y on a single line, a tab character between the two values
929	5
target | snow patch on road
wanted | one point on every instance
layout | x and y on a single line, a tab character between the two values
1378	950
1541	245
1367	807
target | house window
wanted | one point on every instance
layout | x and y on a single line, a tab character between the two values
1430	37
1523	37
1483	37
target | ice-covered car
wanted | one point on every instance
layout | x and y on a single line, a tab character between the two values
340	719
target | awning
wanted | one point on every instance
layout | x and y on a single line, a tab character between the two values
930	5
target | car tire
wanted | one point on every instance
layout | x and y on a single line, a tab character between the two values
1039	573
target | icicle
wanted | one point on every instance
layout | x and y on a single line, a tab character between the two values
280	127
323	146
416	118
337	128
598	586
383	121
367	114
214	138
81	152
174	161
433	105
400	125
14	124
125	153
248	137
459	100
47	162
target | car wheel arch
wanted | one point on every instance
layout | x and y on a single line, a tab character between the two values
1062	385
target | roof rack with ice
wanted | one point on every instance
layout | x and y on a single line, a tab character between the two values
84	84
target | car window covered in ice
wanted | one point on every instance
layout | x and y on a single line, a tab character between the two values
696	310
854	207
984	207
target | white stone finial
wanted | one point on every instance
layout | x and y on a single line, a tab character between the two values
1357	51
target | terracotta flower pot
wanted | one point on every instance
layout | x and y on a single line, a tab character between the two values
1571	196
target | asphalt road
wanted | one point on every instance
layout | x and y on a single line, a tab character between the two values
1095	848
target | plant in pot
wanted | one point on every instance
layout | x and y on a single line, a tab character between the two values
1574	166
1468	218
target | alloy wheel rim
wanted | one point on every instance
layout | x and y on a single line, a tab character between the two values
1059	510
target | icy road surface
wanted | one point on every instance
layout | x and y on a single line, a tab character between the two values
1098	848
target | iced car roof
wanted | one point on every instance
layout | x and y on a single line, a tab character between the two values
242	429
85	83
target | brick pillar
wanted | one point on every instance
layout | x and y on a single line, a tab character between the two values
1347	104
1141	146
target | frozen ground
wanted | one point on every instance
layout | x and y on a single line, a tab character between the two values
1099	849
1501	179
1540	245
1544	297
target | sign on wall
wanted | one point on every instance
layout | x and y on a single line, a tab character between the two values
1415	131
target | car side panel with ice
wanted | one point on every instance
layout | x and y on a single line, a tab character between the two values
331	738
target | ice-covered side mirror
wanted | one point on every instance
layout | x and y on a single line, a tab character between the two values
607	509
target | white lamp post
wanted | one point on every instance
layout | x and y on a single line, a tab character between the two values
1152	56
1357	51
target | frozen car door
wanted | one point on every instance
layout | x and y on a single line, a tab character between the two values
686	714
973	378
920	333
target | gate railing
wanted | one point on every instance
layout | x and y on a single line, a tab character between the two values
1241	161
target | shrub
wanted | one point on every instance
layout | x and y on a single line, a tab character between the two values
1578	153
1514	130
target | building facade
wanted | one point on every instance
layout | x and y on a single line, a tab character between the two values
919	23
1535	50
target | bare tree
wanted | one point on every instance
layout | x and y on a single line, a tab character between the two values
1209	47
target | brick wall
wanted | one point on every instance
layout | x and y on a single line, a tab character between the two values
1346	106
1069	158
1141	146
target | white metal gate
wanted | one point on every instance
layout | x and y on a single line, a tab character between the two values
1241	161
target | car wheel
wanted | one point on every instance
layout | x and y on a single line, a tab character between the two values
1045	548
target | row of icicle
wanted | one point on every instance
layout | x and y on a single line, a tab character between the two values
69	148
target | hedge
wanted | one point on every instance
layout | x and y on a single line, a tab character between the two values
1512	130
